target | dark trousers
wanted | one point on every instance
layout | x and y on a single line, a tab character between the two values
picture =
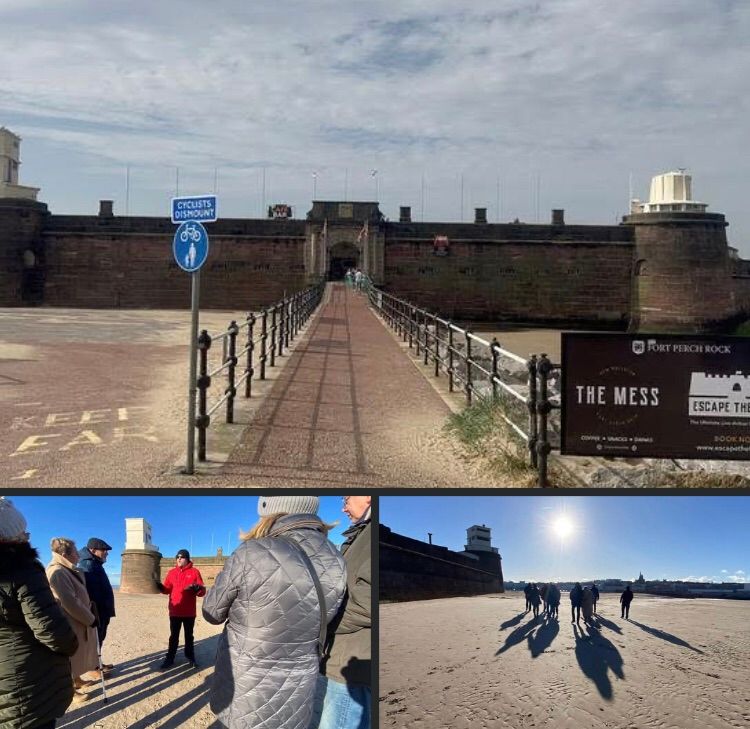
102	629
174	637
575	612
625	610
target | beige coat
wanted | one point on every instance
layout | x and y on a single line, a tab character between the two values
69	588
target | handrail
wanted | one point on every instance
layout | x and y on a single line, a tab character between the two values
479	367
280	323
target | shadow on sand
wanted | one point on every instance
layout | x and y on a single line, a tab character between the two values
513	621
542	638
139	679
518	635
600	622
665	636
597	656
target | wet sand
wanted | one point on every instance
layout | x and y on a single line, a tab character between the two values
480	662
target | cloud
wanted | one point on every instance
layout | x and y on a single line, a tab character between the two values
579	93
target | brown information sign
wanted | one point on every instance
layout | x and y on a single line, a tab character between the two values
656	396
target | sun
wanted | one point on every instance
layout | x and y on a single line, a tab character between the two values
562	526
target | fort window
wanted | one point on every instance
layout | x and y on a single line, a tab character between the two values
640	268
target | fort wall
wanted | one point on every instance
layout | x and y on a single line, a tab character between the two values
110	262
542	273
655	272
413	570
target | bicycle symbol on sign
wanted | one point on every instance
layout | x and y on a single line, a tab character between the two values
190	232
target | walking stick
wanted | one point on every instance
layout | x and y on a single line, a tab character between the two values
101	669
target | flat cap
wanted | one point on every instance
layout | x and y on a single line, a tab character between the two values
95	543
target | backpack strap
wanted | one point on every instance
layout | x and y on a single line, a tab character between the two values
318	589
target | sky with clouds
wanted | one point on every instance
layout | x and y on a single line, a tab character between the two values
550	104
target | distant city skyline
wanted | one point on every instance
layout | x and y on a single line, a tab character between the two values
691	538
517	107
200	524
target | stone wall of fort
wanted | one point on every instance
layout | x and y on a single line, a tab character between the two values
105	262
655	272
209	567
544	273
413	570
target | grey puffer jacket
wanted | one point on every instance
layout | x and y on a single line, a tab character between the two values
267	658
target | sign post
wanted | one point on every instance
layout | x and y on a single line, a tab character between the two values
190	250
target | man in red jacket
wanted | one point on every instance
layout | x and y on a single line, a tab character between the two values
183	584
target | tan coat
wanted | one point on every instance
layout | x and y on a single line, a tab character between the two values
69	588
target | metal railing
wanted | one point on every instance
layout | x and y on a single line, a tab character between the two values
527	388
264	337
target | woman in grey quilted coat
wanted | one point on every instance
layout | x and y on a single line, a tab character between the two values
267	660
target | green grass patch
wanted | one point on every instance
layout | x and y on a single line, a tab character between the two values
485	435
743	330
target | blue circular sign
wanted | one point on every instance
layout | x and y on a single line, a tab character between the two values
190	246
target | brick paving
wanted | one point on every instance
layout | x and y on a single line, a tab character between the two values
349	409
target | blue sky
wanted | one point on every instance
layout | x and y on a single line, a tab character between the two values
177	522
666	537
557	102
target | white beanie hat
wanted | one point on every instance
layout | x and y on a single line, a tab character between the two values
287	505
12	523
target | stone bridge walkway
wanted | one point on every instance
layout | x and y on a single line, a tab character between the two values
349	409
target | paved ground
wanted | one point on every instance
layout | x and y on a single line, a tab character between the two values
349	409
93	398
97	398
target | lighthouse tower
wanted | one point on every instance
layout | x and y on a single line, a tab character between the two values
682	276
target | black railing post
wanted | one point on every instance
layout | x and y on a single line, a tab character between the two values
469	373
531	365
231	360
411	326
263	343
282	325
436	341
249	362
450	356
272	350
204	382
417	318
544	407
495	356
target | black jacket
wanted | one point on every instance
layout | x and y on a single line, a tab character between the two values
35	641
97	584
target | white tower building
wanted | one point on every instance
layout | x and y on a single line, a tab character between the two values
138	535
10	161
671	192
479	539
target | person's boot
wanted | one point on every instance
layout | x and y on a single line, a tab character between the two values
168	662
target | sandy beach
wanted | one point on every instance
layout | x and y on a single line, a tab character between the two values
139	695
476	662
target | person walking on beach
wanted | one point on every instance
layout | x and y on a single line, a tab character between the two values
69	588
587	605
99	588
595	594
36	640
543	594
342	696
527	592
275	595
553	599
576	595
625	599
535	599
184	585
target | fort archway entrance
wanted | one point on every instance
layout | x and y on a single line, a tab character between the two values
341	257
